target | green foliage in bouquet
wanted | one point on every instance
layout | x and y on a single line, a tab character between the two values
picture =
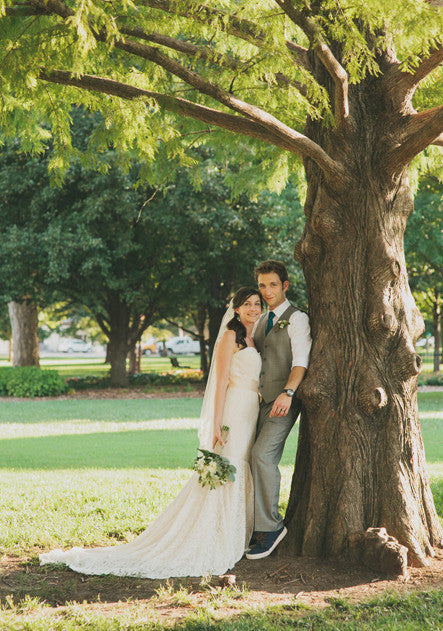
213	469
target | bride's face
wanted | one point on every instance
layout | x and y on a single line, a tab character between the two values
250	310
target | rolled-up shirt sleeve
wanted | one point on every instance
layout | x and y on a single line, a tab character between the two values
299	333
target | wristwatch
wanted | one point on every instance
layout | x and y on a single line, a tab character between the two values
289	391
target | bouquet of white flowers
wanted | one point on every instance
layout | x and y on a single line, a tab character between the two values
213	469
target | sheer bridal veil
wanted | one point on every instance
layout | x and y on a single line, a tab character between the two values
206	428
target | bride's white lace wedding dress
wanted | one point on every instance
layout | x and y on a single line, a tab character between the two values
203	531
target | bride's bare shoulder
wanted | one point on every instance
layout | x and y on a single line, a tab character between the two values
228	337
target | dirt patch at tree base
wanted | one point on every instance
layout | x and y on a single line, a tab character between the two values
277	580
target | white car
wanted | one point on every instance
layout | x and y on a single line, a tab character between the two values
183	346
425	341
71	345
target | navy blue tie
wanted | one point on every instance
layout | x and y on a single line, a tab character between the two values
271	316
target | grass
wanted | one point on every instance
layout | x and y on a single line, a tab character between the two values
93	472
85	366
393	612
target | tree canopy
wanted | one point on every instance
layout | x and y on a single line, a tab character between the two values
188	71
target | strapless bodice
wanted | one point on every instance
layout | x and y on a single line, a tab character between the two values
245	369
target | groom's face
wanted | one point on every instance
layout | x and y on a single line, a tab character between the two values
272	289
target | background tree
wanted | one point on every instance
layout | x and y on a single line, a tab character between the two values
340	86
424	255
84	243
23	255
5	327
123	265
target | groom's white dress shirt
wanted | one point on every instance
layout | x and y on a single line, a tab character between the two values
299	333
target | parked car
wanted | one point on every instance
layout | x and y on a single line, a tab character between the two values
183	346
425	341
149	347
71	345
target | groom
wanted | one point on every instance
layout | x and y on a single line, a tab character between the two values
282	337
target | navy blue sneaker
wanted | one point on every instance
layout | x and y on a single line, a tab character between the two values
252	541
266	542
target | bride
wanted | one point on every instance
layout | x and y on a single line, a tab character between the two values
203	530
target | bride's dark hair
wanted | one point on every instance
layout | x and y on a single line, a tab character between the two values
238	299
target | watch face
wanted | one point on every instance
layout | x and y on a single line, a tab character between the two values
290	392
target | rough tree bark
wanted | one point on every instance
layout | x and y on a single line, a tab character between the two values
118	347
200	322
360	460
24	326
134	357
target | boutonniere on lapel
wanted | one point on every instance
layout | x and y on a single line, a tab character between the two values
282	324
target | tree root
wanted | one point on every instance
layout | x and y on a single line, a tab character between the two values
377	550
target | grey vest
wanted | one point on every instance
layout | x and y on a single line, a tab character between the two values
276	354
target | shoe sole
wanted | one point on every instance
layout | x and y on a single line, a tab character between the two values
262	555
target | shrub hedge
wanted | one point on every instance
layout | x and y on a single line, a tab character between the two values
170	378
30	381
431	380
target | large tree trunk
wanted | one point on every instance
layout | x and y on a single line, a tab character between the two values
201	326
119	318
436	313
360	459
24	326
134	357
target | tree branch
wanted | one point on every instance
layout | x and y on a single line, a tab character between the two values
438	141
427	65
297	143
420	131
202	52
238	27
204	86
324	53
24	10
183	328
102	324
206	53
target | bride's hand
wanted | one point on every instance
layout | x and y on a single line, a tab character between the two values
218	436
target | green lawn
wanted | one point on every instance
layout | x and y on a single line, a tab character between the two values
392	612
85	366
104	464
92	472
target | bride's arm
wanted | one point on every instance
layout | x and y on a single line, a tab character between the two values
223	356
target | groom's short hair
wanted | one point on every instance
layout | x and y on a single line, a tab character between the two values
271	265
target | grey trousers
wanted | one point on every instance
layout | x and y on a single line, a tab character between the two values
266	454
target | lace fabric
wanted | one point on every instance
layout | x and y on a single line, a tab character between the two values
202	531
